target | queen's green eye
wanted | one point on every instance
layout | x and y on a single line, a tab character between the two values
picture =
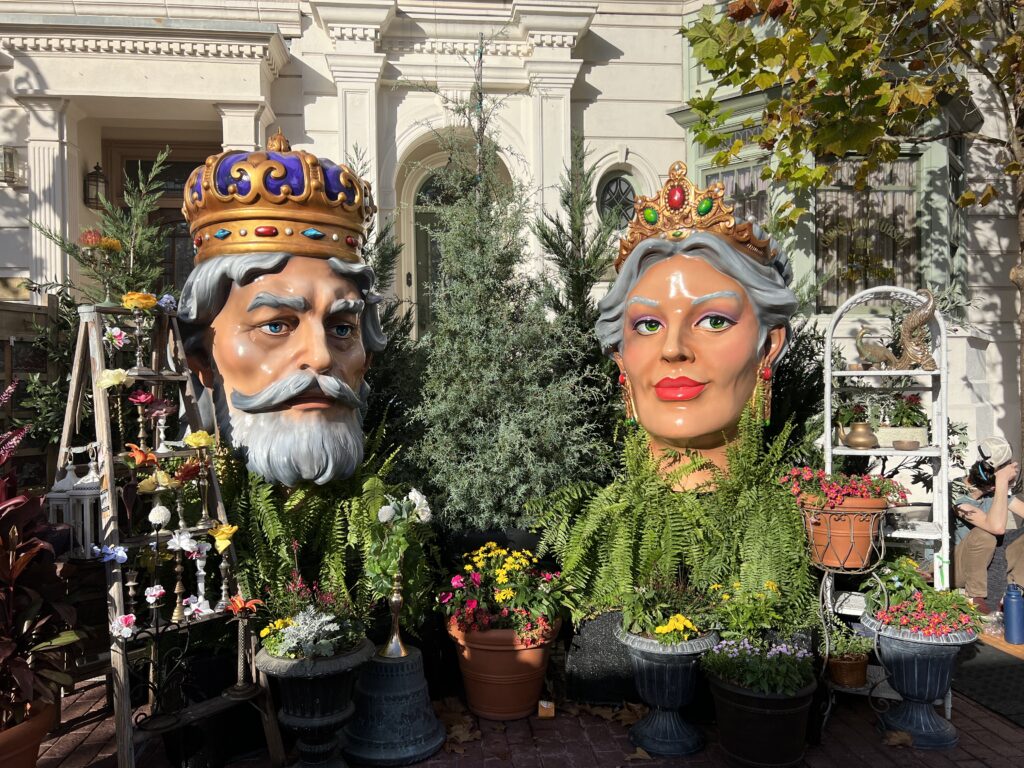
647	326
715	323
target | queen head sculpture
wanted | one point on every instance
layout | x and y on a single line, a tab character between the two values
698	316
279	316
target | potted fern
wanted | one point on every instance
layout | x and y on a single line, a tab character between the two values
665	629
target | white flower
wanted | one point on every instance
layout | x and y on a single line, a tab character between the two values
182	540
123	626
154	593
159	516
201	550
192	607
420	506
386	513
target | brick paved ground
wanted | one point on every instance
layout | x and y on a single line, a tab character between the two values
582	737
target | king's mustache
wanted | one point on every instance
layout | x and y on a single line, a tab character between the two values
280	392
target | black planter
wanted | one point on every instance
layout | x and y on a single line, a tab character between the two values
597	668
394	723
761	730
316	698
665	676
920	671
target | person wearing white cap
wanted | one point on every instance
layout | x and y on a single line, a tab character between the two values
987	510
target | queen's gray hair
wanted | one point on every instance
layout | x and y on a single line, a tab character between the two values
206	291
766	286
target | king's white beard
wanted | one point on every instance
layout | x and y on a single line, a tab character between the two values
289	448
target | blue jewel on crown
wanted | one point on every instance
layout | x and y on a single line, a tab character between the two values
313	234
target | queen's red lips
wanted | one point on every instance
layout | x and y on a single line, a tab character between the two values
681	388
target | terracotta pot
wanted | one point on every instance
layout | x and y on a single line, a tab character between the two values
844	537
20	745
849	671
503	678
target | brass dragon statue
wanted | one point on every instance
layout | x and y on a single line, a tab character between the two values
914	336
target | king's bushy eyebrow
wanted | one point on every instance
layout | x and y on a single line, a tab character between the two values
347	305
264	299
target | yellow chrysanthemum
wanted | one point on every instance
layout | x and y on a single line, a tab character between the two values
725	595
198	439
736	585
137	300
468	568
771	586
265	631
503	595
716	586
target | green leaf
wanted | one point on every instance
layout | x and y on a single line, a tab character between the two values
64	638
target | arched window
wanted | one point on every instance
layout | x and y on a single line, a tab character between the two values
428	254
615	199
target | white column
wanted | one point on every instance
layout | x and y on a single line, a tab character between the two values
244	125
357	78
49	176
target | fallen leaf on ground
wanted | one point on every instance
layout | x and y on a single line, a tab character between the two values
631	713
605	713
898	739
640	754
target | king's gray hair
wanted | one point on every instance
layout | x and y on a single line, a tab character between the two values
766	286
207	288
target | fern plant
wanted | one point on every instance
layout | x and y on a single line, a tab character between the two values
638	531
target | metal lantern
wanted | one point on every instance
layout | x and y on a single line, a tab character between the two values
85	509
9	171
95	187
58	503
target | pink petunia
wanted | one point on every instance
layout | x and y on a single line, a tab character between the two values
457	581
471	605
475	578
445	597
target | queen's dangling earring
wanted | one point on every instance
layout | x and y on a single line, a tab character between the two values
765	384
627	398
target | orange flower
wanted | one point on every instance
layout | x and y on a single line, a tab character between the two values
137	300
239	604
140	457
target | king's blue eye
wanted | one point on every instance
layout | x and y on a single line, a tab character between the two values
342	331
275	327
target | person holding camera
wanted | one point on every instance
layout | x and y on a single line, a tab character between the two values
991	511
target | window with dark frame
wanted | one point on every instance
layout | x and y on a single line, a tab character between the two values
615	200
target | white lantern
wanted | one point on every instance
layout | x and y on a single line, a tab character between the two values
57	500
85	510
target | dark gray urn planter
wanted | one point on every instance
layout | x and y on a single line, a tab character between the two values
665	676
920	671
316	698
598	669
394	723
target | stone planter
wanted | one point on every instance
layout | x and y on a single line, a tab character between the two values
665	676
886	435
761	730
503	678
316	698
920	671
19	745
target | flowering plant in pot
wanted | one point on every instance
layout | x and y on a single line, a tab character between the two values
846	653
34	627
312	644
905	419
920	632
842	514
665	629
503	611
762	683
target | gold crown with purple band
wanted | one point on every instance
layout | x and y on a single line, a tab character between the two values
277	200
680	209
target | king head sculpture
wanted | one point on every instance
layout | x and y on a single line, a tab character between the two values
697	319
279	316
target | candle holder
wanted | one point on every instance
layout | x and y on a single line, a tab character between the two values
201	601
181	509
132	584
143	432
244	687
161	428
205	521
178	615
140	369
394	648
225	589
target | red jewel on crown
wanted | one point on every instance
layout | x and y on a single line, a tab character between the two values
676	197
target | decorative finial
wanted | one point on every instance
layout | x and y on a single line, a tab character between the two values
278	143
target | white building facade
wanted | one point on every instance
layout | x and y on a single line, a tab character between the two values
111	82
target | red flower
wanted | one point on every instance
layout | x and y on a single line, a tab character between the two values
445	597
141	397
475	578
471	605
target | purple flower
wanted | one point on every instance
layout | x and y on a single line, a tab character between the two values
168	303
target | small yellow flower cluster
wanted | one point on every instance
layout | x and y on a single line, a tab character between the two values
275	626
771	586
504	595
677	623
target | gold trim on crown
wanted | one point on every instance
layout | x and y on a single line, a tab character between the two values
250	207
680	209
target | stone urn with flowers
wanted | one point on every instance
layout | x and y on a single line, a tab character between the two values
843	515
920	630
503	613
665	630
312	645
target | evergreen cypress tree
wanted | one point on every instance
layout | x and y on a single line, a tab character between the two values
503	415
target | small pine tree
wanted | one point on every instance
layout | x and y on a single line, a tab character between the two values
502	415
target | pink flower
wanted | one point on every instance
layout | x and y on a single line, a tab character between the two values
475	578
141	397
471	605
457	581
445	597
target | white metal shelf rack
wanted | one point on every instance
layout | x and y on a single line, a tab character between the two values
935	531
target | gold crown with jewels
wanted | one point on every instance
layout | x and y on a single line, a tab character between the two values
680	209
277	199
